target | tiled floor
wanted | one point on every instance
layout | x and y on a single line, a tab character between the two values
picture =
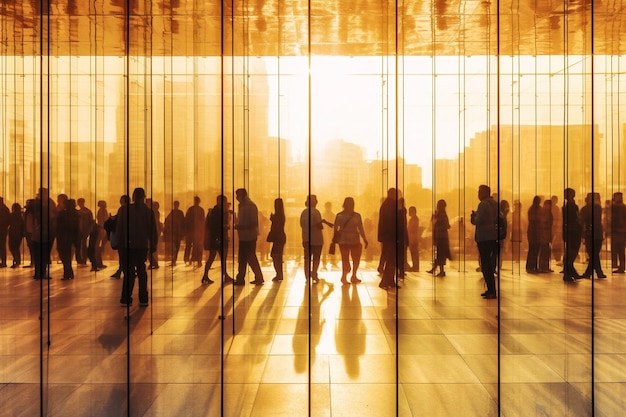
284	351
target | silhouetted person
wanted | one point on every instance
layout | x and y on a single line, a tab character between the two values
557	230
348	226
85	228
277	237
101	236
216	233
441	239
16	234
388	237
248	231
312	224
618	233
194	238
591	221
174	232
544	232
485	218
532	233
43	232
413	227
68	236
572	234
5	215
137	232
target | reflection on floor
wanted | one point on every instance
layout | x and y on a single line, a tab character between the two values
327	352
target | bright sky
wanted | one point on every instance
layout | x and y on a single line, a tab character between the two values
353	99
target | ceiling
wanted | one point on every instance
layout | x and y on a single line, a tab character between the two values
333	27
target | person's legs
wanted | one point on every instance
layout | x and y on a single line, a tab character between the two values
486	250
242	264
356	251
317	254
253	261
209	263
140	265
345	262
128	283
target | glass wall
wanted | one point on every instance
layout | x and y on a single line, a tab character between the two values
192	100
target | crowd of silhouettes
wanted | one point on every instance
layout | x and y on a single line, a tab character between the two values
66	230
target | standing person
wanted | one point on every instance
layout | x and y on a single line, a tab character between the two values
557	228
216	233
68	236
485	218
137	233
248	230
544	232
5	215
572	234
43	232
328	258
101	235
618	233
441	240
277	237
348	230
16	234
312	225
413	227
388	237
85	227
194	239
591	221
532	233
174	232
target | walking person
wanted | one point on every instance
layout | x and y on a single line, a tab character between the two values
485	218
216	233
137	233
248	230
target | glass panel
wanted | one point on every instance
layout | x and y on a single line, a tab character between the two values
286	99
